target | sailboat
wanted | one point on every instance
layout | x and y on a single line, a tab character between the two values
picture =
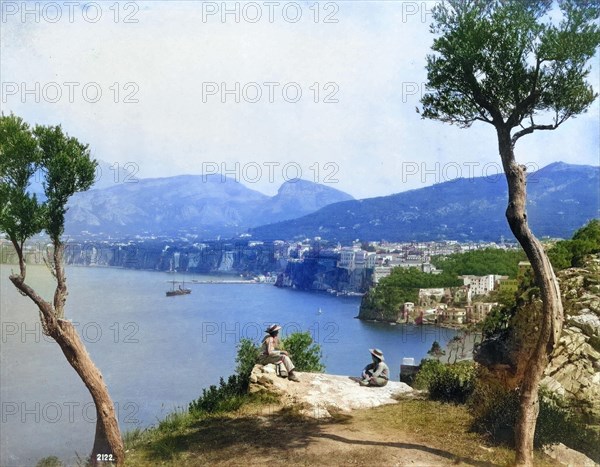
180	290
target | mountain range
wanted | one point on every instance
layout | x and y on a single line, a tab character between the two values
207	205
560	199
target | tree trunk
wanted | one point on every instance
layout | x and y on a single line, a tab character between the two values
550	325
107	440
108	444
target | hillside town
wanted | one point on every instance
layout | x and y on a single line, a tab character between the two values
310	264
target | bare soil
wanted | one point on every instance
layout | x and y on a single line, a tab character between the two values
410	433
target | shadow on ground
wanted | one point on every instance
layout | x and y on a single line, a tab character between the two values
407	446
253	437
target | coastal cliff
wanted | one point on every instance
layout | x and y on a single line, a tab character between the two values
319	271
574	368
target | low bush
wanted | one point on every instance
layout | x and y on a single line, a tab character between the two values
446	382
223	398
305	353
495	411
427	371
231	394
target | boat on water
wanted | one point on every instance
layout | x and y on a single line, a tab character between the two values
180	290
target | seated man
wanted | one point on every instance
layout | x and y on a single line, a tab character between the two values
375	373
271	353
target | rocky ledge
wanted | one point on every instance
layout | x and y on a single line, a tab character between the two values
320	395
574	369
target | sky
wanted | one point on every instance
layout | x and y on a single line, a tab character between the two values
263	92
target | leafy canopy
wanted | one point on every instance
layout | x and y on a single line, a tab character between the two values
571	253
402	285
481	262
506	62
63	162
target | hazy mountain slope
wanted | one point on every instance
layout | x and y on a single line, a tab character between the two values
561	198
207	205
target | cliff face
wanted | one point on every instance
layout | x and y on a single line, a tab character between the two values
369	312
211	258
320	272
574	368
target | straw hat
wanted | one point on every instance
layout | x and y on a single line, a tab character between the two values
271	329
377	353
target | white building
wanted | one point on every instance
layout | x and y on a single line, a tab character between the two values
426	294
480	285
379	272
348	258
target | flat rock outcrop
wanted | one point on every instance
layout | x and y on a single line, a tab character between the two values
318	395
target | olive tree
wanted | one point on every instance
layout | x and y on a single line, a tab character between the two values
520	67
67	168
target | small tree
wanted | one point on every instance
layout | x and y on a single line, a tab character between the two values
455	345
67	168
506	63
305	353
436	351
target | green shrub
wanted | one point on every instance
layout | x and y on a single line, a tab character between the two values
305	354
247	355
222	398
51	461
428	369
495	412
229	395
446	382
455	383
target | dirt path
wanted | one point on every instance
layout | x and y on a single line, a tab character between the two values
384	436
409	433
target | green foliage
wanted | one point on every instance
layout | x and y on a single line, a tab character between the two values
50	461
454	383
68	169
481	262
427	371
65	165
497	320
231	394
446	382
305	354
436	350
505	63
21	216
247	355
401	286
223	398
495	411
570	253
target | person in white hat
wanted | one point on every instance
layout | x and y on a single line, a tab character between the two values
271	353
376	373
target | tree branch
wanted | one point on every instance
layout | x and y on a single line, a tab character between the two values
532	128
44	306
518	113
479	98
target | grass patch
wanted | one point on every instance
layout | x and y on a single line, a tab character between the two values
442	428
262	432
